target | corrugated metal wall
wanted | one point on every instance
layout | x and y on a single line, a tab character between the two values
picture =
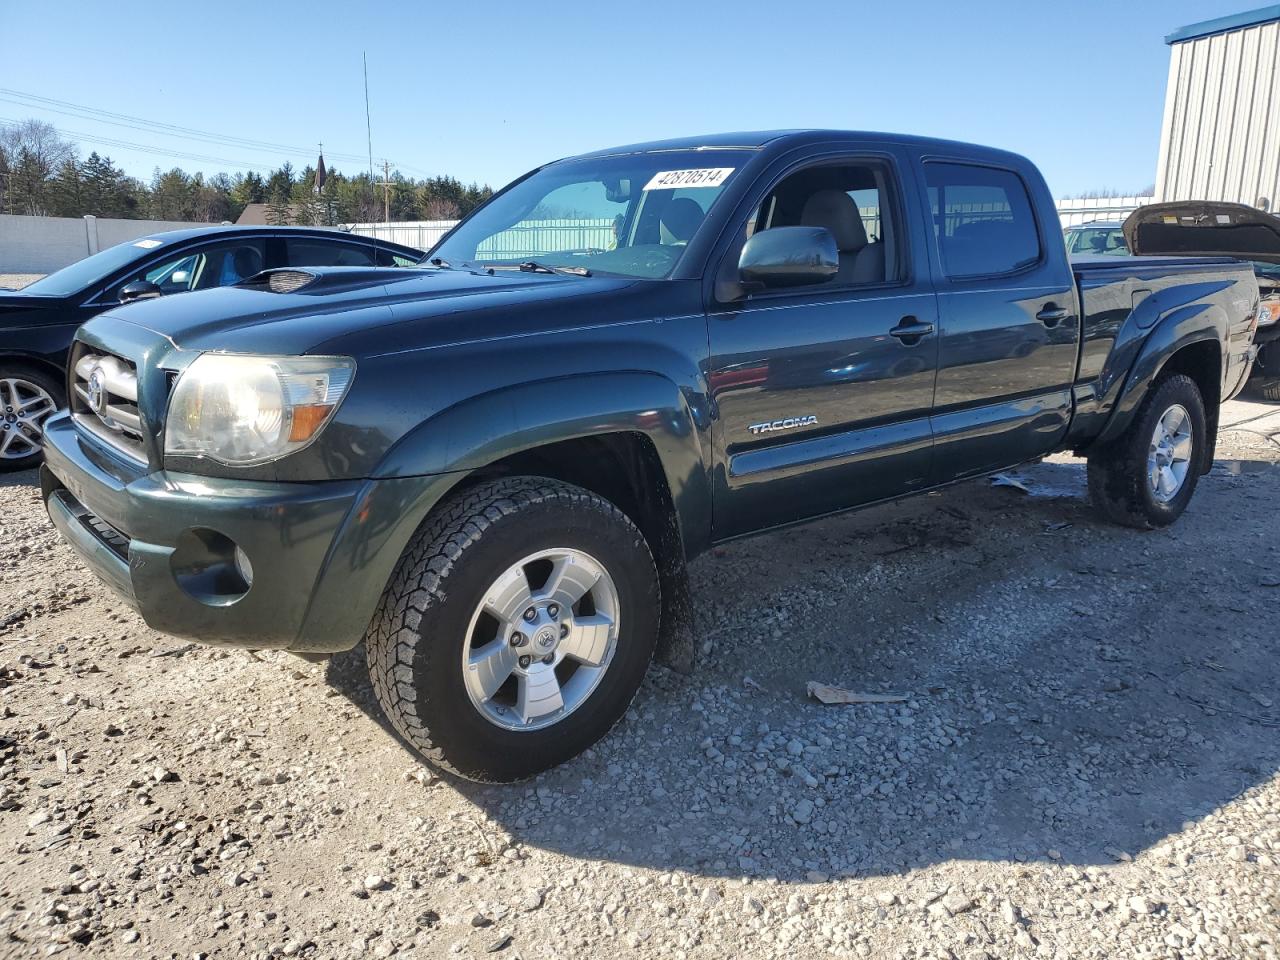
1221	134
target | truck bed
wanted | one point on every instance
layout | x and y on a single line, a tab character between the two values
1113	321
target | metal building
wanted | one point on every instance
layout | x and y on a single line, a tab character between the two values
1221	134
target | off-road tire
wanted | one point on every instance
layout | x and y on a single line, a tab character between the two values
47	382
1118	485
1270	390
415	642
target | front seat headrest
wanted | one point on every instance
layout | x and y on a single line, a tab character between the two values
681	219
836	210
247	261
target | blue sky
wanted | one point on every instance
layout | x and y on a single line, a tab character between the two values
485	91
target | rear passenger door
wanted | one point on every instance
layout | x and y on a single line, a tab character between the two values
1009	331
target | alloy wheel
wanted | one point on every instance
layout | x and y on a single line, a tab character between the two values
541	639
24	407
1169	455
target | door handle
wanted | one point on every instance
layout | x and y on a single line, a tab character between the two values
1052	315
909	330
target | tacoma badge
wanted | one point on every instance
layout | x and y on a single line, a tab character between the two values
790	423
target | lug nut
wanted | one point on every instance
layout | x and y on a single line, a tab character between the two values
550	658
525	661
530	614
519	639
553	610
564	630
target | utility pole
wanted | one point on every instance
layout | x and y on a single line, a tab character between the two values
386	191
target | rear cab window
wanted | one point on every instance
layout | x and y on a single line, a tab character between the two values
983	220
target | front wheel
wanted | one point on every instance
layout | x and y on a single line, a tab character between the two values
516	628
28	397
1145	478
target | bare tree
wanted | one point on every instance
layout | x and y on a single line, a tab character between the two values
30	154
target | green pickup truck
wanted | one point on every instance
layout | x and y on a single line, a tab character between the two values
493	469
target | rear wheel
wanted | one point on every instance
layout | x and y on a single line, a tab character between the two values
516	629
28	397
1146	477
1266	372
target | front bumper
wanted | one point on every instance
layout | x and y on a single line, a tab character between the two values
319	560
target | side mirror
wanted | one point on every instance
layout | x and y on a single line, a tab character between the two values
789	257
138	290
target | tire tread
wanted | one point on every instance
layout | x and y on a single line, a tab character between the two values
420	580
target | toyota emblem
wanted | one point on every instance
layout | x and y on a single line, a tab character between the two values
98	391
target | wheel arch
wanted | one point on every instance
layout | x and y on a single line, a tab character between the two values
33	362
642	427
633	438
1187	340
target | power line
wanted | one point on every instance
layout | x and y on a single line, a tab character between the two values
97	115
84	112
147	148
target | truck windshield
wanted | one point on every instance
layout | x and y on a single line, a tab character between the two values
631	215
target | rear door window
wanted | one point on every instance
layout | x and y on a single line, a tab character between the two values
209	266
313	252
983	220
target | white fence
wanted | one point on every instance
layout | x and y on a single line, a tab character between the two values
423	234
46	244
529	238
1074	212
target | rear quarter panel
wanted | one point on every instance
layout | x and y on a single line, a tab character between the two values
1137	312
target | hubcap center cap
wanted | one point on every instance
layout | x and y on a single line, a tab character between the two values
544	641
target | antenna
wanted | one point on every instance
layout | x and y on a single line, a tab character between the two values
368	127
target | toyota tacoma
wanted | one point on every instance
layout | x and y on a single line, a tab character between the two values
493	469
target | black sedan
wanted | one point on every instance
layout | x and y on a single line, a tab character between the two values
37	322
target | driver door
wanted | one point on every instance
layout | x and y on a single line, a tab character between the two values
823	400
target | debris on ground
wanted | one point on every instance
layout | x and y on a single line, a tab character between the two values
825	693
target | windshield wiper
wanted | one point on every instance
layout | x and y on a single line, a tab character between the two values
532	266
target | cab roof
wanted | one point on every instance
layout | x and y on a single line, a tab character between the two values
231	229
783	139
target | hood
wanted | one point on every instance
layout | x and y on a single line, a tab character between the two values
17	300
1204	228
355	310
20	310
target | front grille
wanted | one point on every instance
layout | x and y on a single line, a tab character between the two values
105	400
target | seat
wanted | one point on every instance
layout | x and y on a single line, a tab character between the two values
860	261
238	264
247	262
680	220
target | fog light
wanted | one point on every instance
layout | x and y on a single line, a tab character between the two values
243	566
210	567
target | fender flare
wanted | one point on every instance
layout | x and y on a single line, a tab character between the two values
426	465
492	426
1180	328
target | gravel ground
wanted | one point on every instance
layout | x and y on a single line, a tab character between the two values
1085	764
16	281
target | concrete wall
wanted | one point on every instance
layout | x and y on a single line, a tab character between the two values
46	244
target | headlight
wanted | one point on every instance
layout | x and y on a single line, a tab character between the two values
241	410
1267	314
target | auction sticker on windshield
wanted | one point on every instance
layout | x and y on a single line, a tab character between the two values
702	177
